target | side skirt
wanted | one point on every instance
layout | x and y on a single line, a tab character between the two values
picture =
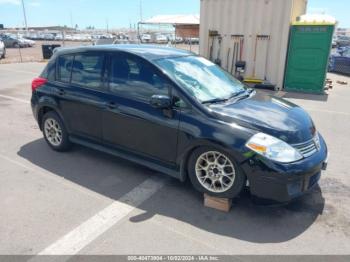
118	153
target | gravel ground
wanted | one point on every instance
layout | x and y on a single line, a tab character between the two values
34	54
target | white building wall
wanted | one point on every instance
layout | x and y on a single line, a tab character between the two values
251	18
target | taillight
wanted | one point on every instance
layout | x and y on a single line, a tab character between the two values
37	82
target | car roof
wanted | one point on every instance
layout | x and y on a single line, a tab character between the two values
149	52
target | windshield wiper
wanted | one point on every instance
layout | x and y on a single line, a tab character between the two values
238	95
242	94
215	100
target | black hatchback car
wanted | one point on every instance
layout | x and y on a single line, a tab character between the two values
180	114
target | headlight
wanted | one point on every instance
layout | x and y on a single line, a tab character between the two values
273	148
317	141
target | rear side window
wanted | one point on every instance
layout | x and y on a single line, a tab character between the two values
87	70
64	68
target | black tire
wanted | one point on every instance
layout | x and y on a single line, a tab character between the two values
15	45
64	144
238	183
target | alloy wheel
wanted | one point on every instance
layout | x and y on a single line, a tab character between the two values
53	131
215	171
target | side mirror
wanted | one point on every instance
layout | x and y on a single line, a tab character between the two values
161	101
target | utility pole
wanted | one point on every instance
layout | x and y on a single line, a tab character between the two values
71	19
24	15
141	17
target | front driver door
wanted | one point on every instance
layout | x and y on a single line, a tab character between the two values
130	122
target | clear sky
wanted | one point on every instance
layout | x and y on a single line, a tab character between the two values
120	13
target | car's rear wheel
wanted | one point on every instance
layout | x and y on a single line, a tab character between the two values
215	172
55	132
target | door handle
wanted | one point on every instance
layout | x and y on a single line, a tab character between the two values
61	92
111	105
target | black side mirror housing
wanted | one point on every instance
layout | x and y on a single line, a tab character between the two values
161	101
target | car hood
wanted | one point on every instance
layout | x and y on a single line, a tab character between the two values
269	114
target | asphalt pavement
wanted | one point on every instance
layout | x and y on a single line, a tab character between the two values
87	202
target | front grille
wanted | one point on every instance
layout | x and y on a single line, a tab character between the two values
308	148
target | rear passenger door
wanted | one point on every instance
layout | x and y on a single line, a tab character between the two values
82	87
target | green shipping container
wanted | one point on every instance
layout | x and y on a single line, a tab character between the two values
308	55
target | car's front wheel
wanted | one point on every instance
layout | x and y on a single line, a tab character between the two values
215	172
55	132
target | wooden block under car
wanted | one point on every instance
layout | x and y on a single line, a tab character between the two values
222	204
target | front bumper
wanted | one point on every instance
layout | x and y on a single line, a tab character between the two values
281	183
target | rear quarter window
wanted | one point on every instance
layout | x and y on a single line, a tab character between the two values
64	66
50	71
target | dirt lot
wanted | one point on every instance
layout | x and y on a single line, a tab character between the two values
34	54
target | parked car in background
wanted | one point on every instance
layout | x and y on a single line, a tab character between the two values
192	40
178	40
104	41
27	42
334	42
48	36
340	61
161	39
76	37
2	50
68	37
87	37
182	115
343	41
174	39
32	36
146	38
59	37
24	42
94	36
12	41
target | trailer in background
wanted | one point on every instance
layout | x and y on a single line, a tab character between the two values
253	33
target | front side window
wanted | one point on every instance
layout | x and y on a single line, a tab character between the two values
135	78
201	78
64	68
87	70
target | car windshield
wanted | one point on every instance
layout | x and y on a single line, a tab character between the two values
201	78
